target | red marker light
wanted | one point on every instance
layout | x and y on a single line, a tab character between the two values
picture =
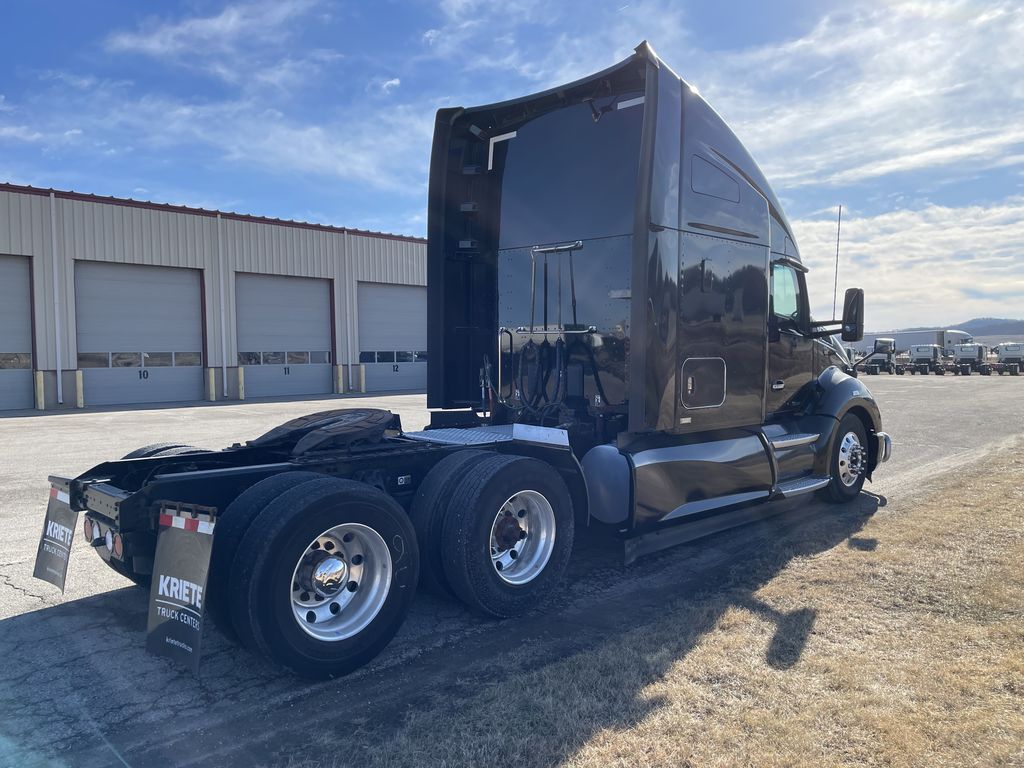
87	529
118	546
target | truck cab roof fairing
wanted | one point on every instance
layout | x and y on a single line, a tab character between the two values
479	206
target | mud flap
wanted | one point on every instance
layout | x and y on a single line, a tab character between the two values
58	531
178	590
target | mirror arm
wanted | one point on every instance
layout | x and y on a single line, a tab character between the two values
823	333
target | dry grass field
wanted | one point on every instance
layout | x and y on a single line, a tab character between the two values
901	646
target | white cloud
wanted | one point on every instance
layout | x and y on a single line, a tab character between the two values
383	148
935	265
241	44
879	91
521	38
81	82
19	133
241	22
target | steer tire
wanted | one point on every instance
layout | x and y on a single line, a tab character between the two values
428	511
261	587
231	526
472	512
837	490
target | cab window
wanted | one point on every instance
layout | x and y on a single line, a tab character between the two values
785	292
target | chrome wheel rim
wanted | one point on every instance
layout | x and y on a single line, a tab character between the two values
522	537
851	459
341	582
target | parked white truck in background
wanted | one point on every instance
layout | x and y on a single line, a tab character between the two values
1009	358
971	358
925	359
944	338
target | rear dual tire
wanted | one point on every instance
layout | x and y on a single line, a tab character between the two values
359	588
507	535
155	450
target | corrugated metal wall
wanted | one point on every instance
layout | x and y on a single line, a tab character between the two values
91	230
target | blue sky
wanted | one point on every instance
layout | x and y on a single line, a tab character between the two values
910	114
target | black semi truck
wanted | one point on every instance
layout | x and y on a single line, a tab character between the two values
619	337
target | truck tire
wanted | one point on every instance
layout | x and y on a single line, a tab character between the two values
508	535
227	537
158	449
149	451
848	462
428	511
324	577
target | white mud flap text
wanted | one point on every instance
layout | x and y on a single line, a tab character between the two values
58	531
178	591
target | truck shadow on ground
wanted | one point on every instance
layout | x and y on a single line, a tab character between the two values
82	665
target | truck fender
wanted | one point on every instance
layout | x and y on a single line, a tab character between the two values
835	395
608	477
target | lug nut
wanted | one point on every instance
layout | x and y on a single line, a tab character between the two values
335	607
352	586
357	559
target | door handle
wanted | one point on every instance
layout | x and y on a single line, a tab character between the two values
777	385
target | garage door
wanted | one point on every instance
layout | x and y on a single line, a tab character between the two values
393	336
284	334
139	333
15	333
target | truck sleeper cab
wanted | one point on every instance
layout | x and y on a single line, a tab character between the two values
619	335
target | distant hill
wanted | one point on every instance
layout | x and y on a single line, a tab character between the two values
983	326
992	326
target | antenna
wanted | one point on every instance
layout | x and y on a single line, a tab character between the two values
835	284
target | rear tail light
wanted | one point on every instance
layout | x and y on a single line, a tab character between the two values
87	529
118	548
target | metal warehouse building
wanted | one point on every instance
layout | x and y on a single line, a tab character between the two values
106	301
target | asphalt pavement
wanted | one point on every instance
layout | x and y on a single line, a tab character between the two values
78	688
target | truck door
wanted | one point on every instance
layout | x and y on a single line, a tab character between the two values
790	348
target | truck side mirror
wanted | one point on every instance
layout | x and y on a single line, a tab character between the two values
884	346
853	314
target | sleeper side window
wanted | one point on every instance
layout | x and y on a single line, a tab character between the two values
785	292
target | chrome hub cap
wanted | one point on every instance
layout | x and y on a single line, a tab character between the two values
852	458
522	537
341	582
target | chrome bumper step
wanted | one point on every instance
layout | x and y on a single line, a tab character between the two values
801	485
